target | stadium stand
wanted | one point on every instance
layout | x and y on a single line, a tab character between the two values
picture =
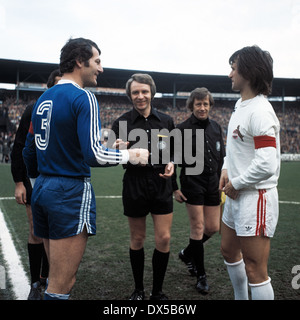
113	106
30	78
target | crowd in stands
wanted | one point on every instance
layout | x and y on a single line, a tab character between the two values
290	129
113	106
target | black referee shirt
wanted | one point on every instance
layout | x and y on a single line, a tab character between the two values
214	150
18	168
155	120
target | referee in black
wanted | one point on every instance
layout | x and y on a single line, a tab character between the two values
147	189
201	192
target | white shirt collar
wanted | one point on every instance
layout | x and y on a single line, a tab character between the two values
64	81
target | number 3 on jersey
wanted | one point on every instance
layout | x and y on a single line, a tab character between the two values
44	110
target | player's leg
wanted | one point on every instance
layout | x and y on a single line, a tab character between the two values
211	210
196	220
35	254
211	225
162	231
64	257
258	211
46	246
195	248
230	244
211	220
31	237
231	251
256	254
160	258
137	227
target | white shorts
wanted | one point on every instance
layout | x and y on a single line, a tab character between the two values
253	213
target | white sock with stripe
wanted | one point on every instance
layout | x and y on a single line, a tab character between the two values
262	291
239	280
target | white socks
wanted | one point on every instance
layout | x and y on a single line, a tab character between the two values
239	280
262	291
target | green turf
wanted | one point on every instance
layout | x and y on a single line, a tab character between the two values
105	271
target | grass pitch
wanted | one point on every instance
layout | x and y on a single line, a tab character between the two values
105	272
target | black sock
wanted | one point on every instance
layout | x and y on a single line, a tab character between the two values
188	250
35	254
198	256
159	264
205	238
137	260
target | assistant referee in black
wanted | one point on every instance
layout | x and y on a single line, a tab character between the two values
200	191
147	189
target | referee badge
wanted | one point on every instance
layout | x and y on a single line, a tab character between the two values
161	145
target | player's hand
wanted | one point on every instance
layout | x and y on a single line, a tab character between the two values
169	170
230	191
179	196
120	144
138	156
223	179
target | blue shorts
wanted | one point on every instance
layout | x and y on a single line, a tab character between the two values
62	207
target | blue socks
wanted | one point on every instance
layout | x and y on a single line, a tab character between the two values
55	296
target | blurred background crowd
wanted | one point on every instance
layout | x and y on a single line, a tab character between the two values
113	106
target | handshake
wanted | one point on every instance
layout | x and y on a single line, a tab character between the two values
136	155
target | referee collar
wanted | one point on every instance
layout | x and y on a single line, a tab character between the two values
135	114
201	123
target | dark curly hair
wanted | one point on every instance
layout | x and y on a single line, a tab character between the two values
255	65
51	79
76	49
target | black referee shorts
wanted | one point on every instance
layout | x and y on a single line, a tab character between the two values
201	190
145	191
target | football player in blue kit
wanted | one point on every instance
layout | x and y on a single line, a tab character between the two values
62	144
38	262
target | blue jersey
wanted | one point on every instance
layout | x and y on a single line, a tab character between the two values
66	130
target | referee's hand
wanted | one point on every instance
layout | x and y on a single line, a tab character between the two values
120	144
169	170
138	156
20	193
179	196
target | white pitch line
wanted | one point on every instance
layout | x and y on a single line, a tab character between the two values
119	197
15	272
108	197
289	202
98	197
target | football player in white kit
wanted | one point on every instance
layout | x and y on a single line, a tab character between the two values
249	176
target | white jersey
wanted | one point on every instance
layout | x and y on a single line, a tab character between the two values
253	145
